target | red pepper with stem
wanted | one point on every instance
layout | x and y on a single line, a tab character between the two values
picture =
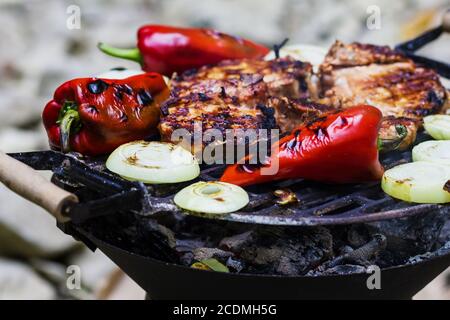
94	116
167	49
341	147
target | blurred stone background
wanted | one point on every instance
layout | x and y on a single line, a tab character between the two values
38	52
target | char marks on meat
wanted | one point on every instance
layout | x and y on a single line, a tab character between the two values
377	75
282	93
290	113
213	113
244	94
249	79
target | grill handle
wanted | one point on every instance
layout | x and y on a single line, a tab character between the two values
28	183
415	44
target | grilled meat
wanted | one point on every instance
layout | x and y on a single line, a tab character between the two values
359	73
290	113
376	75
240	95
222	113
211	112
258	94
249	79
355	54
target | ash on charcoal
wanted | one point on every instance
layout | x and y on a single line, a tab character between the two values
362	256
445	232
188	245
237	242
167	235
445	249
235	265
208	253
409	236
345	249
357	235
287	251
187	259
338	270
246	248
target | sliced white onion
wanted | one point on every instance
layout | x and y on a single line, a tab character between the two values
303	52
438	126
213	197
153	162
421	182
432	151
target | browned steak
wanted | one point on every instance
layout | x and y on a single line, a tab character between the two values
240	95
290	113
356	73
355	54
376	75
249	79
212	112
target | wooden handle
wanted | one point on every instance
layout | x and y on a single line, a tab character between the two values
446	21
28	183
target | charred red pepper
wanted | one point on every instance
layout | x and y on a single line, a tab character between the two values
167	49
339	148
94	116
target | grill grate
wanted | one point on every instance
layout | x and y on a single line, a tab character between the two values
102	192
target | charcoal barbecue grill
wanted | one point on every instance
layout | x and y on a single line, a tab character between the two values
83	190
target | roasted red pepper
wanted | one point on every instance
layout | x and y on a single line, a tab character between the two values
339	148
167	49
94	116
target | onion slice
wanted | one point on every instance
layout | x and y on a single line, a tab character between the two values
421	182
212	197
432	151
438	126
153	162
